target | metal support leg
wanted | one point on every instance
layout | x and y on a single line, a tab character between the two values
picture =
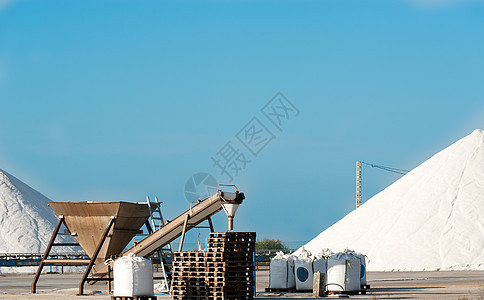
109	279
210	224
182	238
46	253
148	227
94	257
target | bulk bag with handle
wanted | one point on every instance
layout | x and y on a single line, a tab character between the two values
344	271
362	258
320	265
133	276
281	272
303	269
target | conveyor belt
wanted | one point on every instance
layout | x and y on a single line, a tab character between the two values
200	212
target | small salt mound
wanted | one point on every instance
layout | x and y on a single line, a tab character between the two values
429	219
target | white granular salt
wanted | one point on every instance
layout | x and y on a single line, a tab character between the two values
430	219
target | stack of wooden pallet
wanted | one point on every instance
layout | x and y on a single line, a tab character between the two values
225	271
230	265
188	277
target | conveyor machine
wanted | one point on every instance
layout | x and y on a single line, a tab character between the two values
103	229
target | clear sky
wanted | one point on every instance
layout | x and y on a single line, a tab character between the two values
116	100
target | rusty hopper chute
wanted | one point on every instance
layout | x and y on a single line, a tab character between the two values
87	222
102	229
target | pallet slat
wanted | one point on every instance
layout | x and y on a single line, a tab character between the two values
134	298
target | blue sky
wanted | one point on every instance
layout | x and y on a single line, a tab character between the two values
114	100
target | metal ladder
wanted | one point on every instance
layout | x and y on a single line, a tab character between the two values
157	221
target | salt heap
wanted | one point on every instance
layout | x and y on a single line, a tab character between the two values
430	219
26	221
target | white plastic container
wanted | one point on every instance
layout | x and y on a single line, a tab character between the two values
133	276
281	272
344	271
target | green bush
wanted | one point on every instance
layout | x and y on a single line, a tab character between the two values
270	244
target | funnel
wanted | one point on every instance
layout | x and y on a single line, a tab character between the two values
230	204
87	222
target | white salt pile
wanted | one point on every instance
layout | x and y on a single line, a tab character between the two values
26	221
430	219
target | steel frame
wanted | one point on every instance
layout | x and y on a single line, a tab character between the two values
89	263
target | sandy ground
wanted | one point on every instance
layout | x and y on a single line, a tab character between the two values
384	285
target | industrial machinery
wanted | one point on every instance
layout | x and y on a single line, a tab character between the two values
103	229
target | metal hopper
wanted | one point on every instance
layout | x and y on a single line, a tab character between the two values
87	222
102	229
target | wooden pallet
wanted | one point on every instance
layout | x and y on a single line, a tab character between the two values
230	256
231	273
188	288
216	282
225	271
134	298
360	292
231	292
211	270
186	263
288	290
230	296
225	248
185	297
224	295
221	262
189	256
187	253
189	268
231	243
232	234
189	274
230	289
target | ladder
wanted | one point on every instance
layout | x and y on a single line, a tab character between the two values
157	221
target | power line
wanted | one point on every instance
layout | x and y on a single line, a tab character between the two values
359	173
389	169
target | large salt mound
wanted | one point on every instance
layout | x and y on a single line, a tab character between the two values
26	221
430	219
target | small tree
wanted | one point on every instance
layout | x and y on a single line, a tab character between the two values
270	244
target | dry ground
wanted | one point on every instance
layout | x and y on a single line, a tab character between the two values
384	285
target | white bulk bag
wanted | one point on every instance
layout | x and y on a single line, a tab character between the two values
363	268
320	265
303	269
344	272
281	272
362	258
133	276
353	271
